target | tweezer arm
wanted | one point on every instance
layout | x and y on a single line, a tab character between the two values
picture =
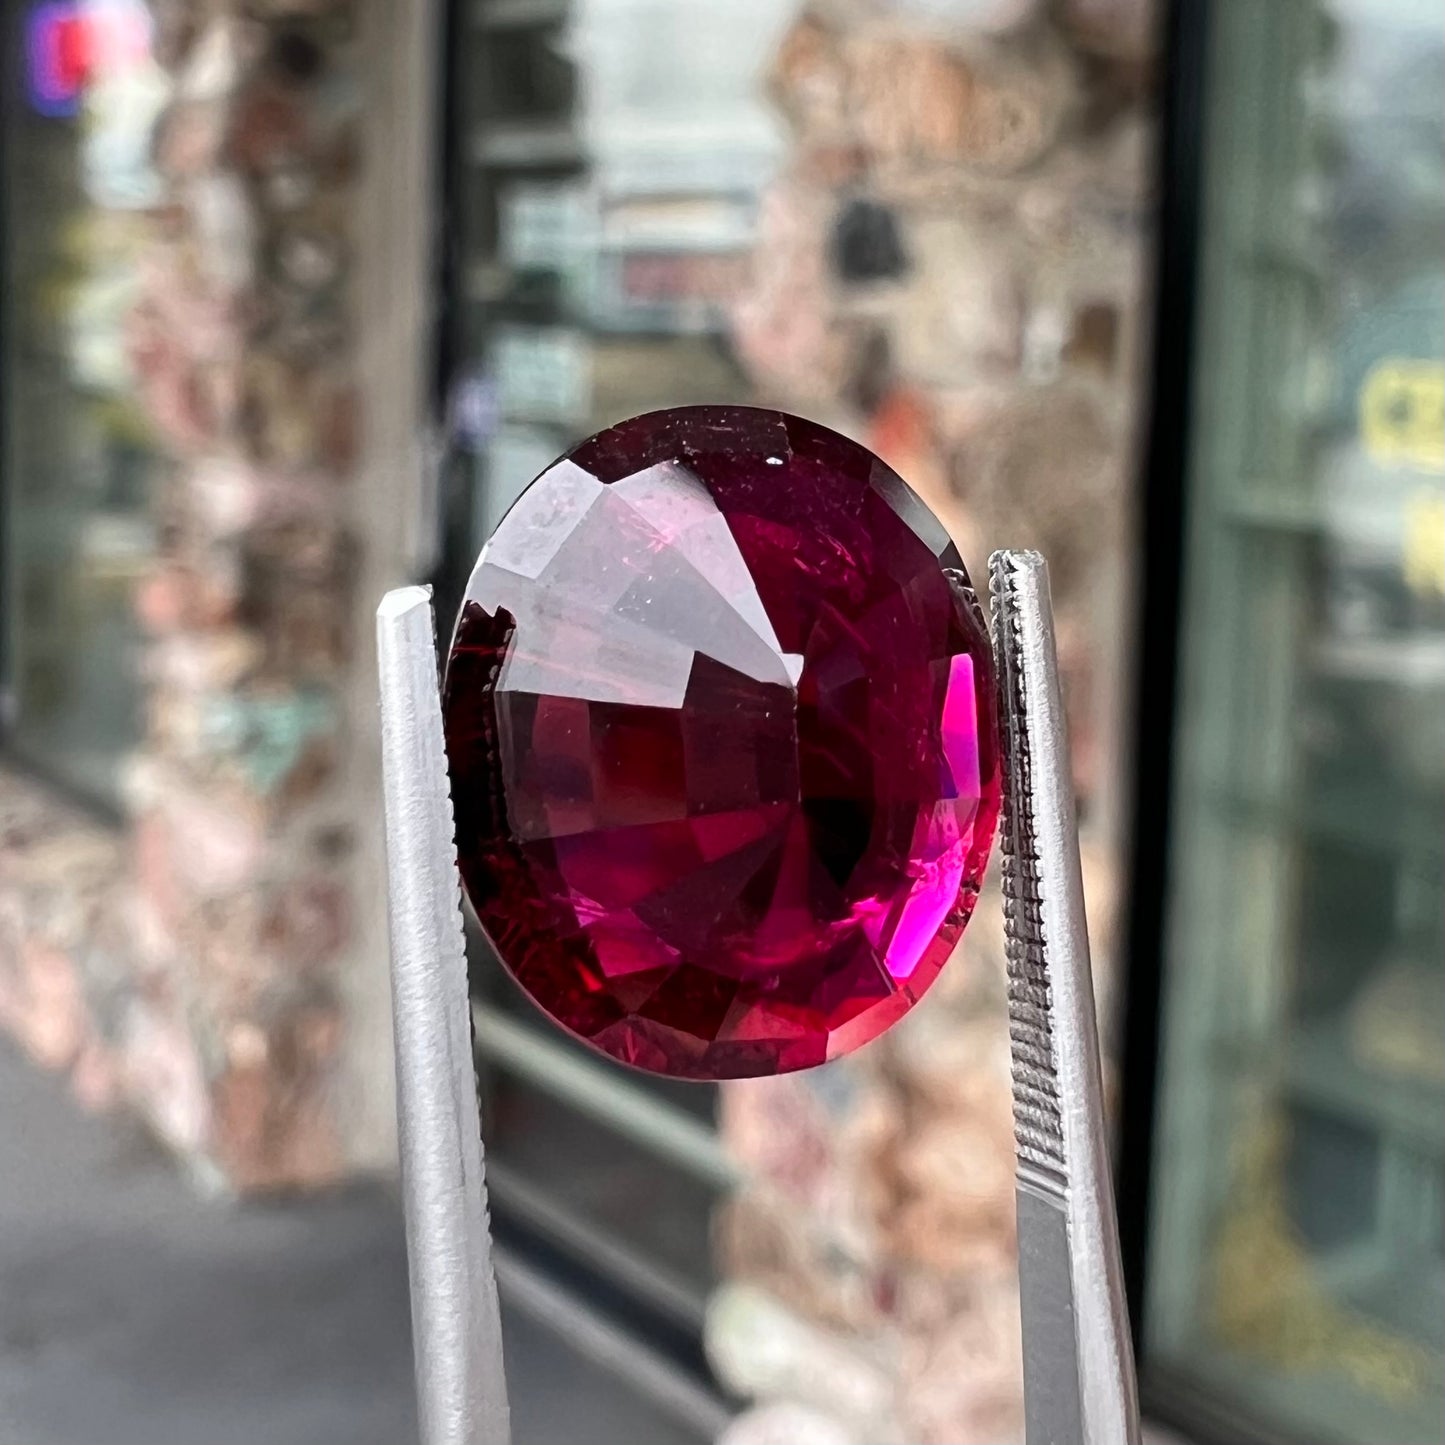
456	1325
1078	1360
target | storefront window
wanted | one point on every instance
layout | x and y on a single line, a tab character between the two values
1298	1278
608	162
611	157
77	464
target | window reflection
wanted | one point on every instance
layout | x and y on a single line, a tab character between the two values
1297	1236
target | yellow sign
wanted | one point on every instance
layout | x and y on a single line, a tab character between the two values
1402	414
1425	543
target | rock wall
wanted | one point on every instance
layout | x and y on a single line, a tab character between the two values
244	346
954	268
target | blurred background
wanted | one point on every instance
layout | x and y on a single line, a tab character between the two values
296	295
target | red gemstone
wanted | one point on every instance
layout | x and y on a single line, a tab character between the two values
720	718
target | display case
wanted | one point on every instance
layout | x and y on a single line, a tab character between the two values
1294	1280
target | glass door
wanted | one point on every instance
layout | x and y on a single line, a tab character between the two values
1296	1275
606	159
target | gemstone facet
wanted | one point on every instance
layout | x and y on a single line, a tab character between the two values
720	720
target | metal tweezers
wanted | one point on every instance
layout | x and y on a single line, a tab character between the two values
1078	1362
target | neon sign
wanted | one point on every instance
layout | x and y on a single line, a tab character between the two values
69	43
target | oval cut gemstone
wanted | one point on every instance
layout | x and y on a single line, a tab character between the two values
720	719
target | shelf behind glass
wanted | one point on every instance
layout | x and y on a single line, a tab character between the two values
1360	816
1319	1066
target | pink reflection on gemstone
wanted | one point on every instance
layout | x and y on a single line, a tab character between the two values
721	731
940	872
960	731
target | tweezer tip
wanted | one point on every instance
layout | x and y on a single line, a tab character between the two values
401	600
1009	571
1009	562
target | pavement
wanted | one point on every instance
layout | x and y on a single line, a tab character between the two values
133	1312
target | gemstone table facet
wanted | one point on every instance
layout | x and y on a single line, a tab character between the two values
720	721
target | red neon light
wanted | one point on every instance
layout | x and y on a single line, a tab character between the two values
70	42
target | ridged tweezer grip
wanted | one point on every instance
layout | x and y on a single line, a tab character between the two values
1038	1122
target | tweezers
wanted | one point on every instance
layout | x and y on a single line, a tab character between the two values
1078	1364
1079	1386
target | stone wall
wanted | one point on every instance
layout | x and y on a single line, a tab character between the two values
64	955
233	933
954	268
243	344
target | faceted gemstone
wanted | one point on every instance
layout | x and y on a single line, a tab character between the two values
720	720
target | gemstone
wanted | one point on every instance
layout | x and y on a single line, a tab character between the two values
720	720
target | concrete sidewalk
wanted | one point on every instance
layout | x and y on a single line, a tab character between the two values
133	1313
